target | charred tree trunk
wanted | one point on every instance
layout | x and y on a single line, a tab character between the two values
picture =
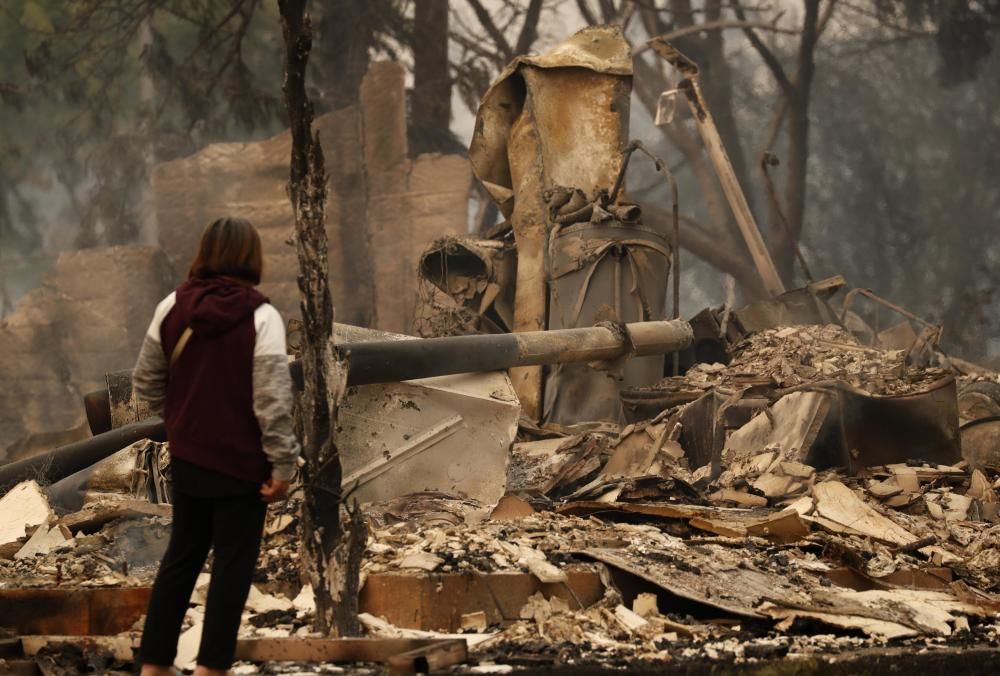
346	34
331	550
798	144
430	113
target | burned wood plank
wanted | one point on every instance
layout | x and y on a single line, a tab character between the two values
886	614
783	527
838	504
728	522
72	612
440	655
714	577
438	602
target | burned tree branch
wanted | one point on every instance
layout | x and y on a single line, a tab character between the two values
529	29
766	55
767	160
721	25
704	243
491	28
585	12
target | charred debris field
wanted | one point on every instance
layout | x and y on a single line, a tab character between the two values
561	475
610	548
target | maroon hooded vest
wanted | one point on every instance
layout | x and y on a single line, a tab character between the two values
209	408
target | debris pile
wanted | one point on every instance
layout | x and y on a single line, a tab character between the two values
618	545
793	356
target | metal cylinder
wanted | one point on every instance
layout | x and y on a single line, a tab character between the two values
387	361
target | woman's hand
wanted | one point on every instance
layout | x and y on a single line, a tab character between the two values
274	490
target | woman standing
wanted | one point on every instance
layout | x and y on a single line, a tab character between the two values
213	364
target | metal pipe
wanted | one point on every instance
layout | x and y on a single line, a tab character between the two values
389	361
65	460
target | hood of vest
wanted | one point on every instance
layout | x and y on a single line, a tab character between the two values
213	306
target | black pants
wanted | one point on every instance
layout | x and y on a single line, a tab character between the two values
231	526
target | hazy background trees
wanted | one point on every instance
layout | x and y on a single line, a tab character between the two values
882	113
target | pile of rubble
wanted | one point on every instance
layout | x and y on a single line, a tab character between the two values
796	355
681	537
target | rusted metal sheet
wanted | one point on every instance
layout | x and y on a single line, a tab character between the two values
72	612
437	602
601	49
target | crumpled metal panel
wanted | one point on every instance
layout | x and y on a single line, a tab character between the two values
922	425
555	121
450	434
600	49
864	430
138	470
478	274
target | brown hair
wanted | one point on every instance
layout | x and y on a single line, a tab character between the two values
230	247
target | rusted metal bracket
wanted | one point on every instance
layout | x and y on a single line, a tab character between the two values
723	167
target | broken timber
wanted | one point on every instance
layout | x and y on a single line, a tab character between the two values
337	650
72	612
440	601
723	167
